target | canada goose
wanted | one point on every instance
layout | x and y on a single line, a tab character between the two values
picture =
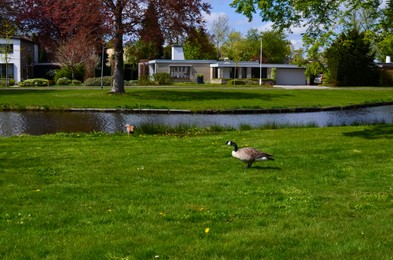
248	154
129	129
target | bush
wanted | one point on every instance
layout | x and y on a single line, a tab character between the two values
65	72
236	82
76	82
63	81
3	82
144	80
130	83
107	81
163	79
38	82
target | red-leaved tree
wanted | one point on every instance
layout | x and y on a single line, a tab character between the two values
126	16
55	22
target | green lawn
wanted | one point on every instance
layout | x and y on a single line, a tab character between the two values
192	98
328	194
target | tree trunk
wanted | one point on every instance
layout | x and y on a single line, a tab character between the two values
118	74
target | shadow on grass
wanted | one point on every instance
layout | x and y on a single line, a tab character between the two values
23	91
177	95
375	132
264	168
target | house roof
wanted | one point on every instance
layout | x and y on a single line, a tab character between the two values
176	62
385	65
223	64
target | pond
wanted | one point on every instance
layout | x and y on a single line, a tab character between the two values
40	122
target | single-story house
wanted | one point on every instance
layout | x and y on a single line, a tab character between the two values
216	71
17	54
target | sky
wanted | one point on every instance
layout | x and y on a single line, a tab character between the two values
240	23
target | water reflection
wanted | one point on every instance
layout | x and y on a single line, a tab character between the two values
37	123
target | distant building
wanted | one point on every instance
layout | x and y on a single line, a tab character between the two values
219	71
22	54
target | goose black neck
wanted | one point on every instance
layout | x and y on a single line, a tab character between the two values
234	146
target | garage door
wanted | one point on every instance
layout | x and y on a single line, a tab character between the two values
290	77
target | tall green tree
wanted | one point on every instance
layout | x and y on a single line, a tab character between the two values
350	61
198	46
385	42
276	49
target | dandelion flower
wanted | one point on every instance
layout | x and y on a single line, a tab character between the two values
207	230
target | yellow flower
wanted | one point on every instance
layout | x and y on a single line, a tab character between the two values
207	230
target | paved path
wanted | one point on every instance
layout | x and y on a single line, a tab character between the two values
301	87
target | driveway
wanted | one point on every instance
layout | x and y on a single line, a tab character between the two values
300	87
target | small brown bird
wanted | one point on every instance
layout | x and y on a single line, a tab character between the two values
248	154
129	129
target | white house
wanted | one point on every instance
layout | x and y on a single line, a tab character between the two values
21	55
217	71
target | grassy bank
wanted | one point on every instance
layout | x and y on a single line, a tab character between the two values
96	196
192	98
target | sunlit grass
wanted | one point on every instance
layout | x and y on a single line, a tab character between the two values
189	98
327	195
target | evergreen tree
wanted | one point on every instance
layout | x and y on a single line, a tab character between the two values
350	61
151	37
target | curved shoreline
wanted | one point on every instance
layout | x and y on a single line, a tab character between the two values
209	111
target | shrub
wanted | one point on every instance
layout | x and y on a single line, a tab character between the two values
144	80
66	72
163	79
233	82
63	81
107	81
3	82
34	82
130	83
76	82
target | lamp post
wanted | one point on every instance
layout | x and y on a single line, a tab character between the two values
260	65
102	64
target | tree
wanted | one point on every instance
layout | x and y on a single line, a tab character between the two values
174	16
56	21
385	41
276	49
73	54
318	17
198	46
350	61
151	39
220	30
7	31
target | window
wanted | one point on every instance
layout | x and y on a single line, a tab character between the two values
4	70
6	48
180	72
255	73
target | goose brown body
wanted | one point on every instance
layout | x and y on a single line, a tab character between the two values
248	154
129	129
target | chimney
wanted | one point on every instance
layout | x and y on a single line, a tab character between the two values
177	52
388	59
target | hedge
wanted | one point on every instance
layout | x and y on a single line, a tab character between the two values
38	82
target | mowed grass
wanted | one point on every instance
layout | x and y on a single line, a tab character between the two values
192	98
328	195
